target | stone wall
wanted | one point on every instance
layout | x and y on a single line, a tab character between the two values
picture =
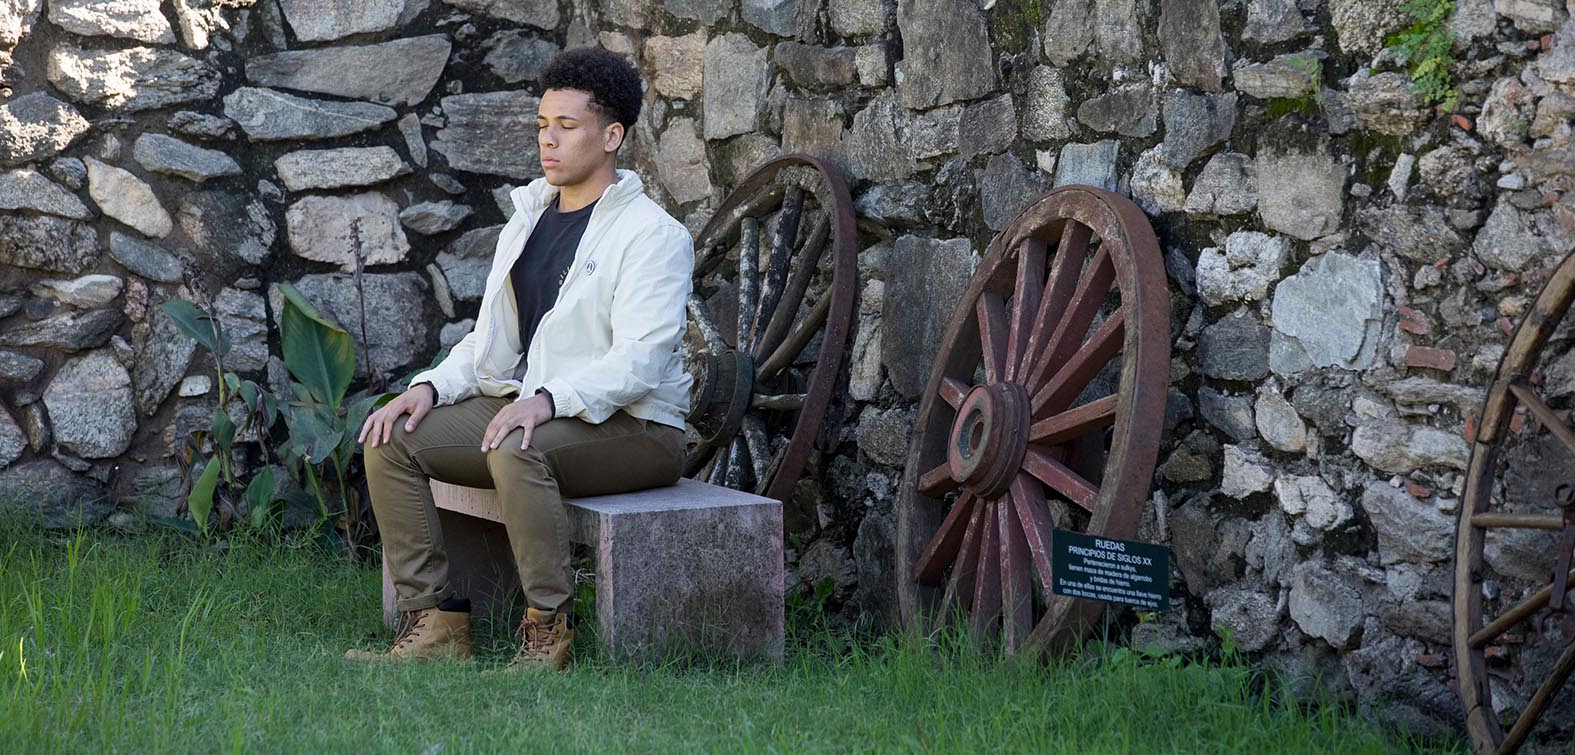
1345	259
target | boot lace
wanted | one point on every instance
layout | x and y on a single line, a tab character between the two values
409	621
535	640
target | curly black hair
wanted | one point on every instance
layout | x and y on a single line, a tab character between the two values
611	81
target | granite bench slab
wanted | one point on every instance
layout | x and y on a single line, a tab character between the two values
689	566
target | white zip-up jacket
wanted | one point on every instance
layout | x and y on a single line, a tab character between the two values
610	340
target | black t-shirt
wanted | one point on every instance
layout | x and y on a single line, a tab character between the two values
542	266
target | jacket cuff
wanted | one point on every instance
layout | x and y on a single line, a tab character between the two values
565	402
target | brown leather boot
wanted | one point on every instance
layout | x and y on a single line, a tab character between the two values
545	639
427	634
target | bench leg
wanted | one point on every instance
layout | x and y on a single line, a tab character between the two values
700	579
480	566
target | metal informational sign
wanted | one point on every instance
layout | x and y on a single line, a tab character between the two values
1115	571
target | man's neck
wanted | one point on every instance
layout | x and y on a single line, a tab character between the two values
576	196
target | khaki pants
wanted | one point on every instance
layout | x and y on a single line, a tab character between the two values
567	457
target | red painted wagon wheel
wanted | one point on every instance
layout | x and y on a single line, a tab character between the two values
1547	612
768	323
1043	410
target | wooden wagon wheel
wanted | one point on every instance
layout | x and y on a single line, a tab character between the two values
1043	410
1474	633
769	321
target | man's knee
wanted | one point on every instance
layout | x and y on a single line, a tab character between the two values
394	451
509	459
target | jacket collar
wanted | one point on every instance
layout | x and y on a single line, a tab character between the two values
536	195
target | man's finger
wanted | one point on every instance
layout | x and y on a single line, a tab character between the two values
525	443
367	425
415	418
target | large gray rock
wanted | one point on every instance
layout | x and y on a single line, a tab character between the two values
1155	184
324	229
36	126
27	189
1252	616
1245	472
1044	107
920	269
1278	422
1301	190
128	199
1364	26
1418	234
236	225
201	125
166	154
246	324
86	292
1127	110
1400	447
1312	500
492	133
1505	242
1089	164
162	358
811	66
48	243
1227	185
1235	348
49	491
880	147
1287	76
777	17
19	368
706	12
735	84
428	218
1189	33
542	14
1326	604
1327	315
515	56
466	262
855	18
323	20
402	71
1244	270
92	407
1270	21
69	331
1385	102
397	326
307	169
267	115
1006	186
1195	123
946	53
138	78
681	162
13	439
1520	554
883	435
199	20
1230	414
138	20
1409	531
1111	29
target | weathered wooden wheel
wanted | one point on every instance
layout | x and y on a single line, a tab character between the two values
1043	410
1475	633
769	321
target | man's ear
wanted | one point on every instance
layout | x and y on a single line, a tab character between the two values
612	137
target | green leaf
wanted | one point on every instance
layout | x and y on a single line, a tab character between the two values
198	325
200	501
318	353
313	433
353	420
259	496
223	429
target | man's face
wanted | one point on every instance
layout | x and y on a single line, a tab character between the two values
575	138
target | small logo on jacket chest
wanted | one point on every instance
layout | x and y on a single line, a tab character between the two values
590	267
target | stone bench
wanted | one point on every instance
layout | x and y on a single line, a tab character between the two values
692	566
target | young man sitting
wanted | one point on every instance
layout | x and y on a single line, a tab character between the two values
569	385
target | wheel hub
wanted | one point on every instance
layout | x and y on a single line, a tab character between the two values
989	438
722	394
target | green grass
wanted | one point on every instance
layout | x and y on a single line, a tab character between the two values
155	643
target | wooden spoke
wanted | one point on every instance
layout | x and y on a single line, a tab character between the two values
1544	414
953	391
1017	599
938	481
1562	668
1074	323
1075	374
790	402
993	336
1504	519
1070	255
698	459
959	586
947	543
1029	501
1076	422
987	587
1514	615
709	332
806	263
795	343
1026	295
759	448
1060	479
748	281
774	279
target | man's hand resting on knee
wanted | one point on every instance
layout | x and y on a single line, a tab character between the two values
527	415
415	402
